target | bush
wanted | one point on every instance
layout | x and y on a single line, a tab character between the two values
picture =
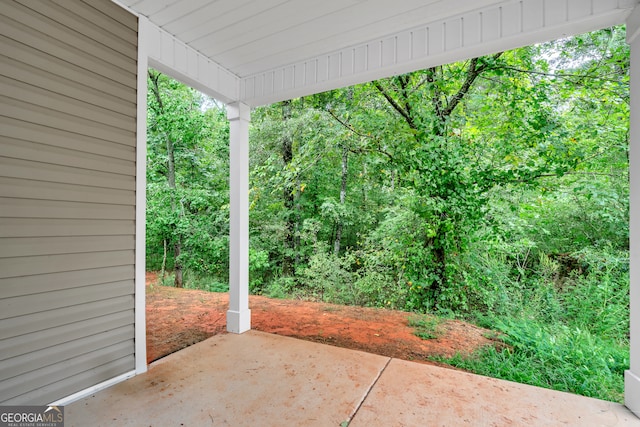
598	299
281	287
205	283
555	357
259	270
325	279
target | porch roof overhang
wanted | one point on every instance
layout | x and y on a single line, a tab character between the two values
255	52
263	51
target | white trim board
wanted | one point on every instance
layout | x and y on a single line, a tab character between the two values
141	203
94	389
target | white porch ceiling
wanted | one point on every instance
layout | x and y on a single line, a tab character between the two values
278	49
248	37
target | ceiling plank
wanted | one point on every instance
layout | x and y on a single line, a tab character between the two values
277	19
227	15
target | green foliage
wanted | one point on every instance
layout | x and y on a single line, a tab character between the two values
325	278
375	283
258	269
553	356
195	213
281	287
426	327
198	282
571	334
494	189
205	283
598	299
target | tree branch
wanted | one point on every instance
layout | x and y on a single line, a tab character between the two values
473	72
156	90
435	99
403	112
559	75
350	127
404	83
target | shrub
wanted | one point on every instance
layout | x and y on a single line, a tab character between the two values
555	357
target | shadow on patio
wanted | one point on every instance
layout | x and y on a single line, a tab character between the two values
259	379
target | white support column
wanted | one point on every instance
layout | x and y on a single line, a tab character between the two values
141	201
239	315
632	376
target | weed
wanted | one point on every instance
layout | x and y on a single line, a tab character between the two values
555	357
426	327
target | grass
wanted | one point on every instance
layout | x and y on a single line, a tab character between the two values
426	327
571	336
193	281
555	357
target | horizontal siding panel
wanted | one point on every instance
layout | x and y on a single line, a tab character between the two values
31	113
89	22
25	285
23	346
67	196
66	159
31	37
55	354
71	320
68	37
73	366
15	168
33	57
40	143
51	209
44	80
27	189
32	246
40	340
124	19
64	104
13	267
46	337
51	392
32	227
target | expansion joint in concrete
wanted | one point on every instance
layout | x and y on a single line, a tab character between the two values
366	393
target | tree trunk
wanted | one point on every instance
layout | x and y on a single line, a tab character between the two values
398	95
164	259
177	268
171	181
343	197
440	267
288	196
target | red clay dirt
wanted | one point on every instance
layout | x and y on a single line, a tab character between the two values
177	318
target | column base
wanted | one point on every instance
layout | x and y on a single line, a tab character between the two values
238	321
632	392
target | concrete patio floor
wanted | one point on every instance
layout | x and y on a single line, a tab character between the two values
259	379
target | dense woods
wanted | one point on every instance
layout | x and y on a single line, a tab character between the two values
494	189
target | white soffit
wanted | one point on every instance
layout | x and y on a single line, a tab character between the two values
263	51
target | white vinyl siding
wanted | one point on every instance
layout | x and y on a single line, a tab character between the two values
67	196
